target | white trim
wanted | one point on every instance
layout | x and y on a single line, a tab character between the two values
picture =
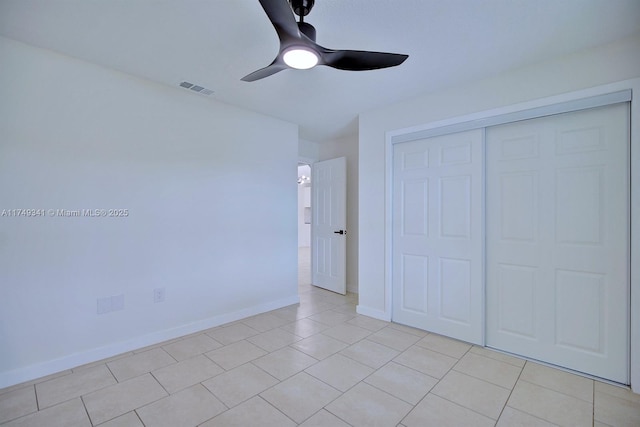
483	232
483	121
573	101
388	227
306	160
372	312
32	372
635	238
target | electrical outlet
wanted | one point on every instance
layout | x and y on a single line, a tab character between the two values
158	295
104	305
117	302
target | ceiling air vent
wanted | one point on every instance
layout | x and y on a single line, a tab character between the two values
196	88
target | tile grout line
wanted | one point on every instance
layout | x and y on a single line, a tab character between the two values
342	393
84	405
593	403
163	387
111	372
273	406
456	403
399	398
39	409
546	388
557	391
496	359
335	415
35	392
134	409
511	392
138	417
485	380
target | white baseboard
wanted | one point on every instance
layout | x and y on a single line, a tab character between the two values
49	367
372	312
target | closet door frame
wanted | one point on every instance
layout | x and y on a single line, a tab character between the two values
574	101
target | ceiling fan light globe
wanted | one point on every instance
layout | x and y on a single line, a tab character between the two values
300	58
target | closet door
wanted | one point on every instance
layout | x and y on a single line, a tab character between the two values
437	235
558	240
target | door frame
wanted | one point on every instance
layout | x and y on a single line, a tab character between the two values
309	161
574	101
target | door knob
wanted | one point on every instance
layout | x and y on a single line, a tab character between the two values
340	232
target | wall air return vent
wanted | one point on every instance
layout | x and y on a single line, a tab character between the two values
196	88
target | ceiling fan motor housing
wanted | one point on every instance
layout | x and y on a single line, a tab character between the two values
301	7
307	29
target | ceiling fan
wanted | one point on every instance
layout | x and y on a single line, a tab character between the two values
299	50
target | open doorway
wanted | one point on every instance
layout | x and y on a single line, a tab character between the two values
304	227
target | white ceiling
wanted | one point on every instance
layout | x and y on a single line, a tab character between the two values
215	43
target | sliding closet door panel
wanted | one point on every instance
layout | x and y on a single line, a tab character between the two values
437	235
558	240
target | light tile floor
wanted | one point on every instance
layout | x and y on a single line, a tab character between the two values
317	363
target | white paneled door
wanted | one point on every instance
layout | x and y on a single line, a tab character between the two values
437	235
557	240
328	224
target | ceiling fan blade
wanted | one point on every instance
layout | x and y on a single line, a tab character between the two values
281	16
267	71
359	60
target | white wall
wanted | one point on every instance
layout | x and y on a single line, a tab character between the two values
347	147
307	150
615	62
210	190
